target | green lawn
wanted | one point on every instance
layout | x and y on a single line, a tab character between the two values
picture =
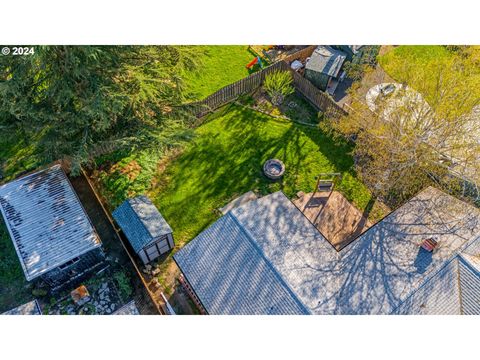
420	57
226	158
16	155
14	288
220	65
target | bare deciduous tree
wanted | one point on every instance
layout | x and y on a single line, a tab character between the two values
425	133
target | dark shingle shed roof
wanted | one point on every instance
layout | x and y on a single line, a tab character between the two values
382	272
326	60
140	221
46	221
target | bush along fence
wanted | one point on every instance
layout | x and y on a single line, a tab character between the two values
231	92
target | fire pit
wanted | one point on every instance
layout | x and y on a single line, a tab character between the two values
273	169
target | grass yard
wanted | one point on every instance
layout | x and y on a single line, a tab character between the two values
226	158
14	288
16	156
220	65
420	56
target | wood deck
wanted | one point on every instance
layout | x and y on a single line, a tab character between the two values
338	220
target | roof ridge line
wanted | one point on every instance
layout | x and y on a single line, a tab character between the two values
433	273
136	214
464	258
270	265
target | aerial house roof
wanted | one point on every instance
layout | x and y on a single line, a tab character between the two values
265	257
46	221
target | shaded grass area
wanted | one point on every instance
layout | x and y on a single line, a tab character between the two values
220	65
17	155
226	158
14	288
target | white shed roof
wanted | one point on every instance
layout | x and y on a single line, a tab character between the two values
46	221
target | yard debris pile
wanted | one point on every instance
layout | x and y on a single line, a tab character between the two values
104	299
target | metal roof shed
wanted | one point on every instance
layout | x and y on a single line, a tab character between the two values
50	230
145	228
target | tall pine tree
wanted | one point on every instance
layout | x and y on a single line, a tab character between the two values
77	100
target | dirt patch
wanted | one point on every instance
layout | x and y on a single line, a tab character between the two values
112	244
338	220
131	170
162	277
294	107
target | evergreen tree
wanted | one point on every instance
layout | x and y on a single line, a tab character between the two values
78	100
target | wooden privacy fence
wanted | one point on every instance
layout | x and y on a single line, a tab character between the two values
301	55
231	92
317	98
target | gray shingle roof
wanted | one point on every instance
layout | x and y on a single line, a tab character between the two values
469	276
383	271
230	274
140	221
30	308
326	60
46	221
385	266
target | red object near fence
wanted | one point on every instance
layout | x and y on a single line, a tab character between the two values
251	63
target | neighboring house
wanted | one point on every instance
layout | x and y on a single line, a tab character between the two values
30	308
145	228
323	69
53	236
265	257
349	50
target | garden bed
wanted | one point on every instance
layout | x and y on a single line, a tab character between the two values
295	107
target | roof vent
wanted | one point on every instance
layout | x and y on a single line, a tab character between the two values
429	244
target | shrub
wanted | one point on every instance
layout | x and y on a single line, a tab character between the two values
355	71
278	85
123	283
39	292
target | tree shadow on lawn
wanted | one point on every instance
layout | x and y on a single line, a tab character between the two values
338	152
226	159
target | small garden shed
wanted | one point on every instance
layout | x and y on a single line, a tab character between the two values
145	228
323	67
